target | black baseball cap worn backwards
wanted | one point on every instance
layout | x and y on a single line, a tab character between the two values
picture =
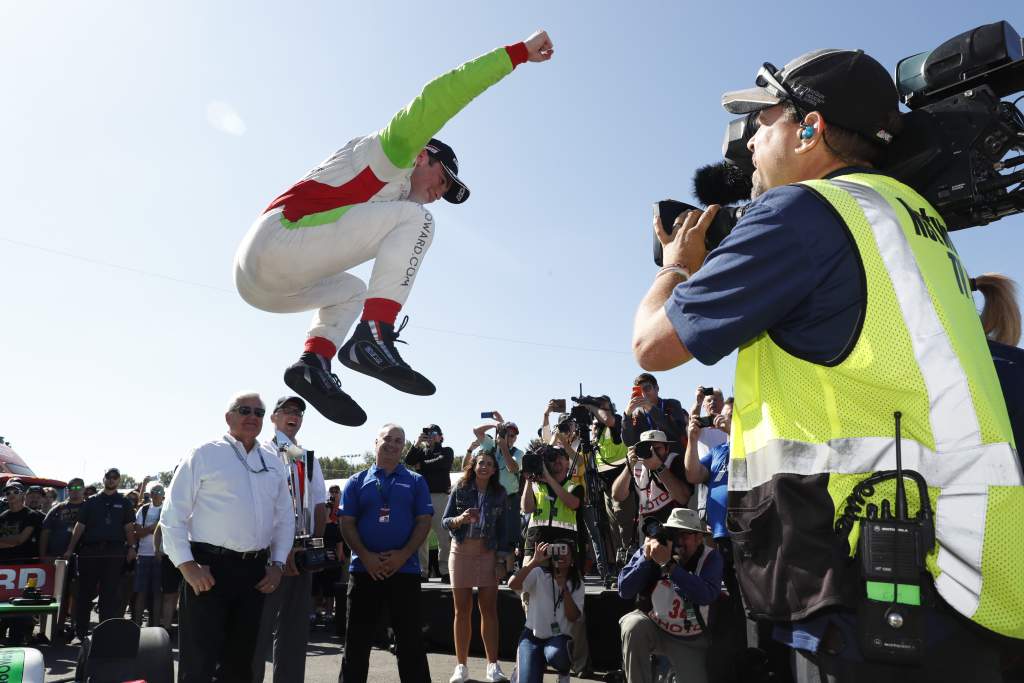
848	87
457	191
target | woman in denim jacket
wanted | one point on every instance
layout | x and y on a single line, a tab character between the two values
475	517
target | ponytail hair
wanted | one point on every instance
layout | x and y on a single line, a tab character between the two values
1000	316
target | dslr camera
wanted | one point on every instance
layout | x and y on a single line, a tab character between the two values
653	528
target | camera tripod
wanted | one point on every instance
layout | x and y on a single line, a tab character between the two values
592	512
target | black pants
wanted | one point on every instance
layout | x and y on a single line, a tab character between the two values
399	594
217	630
99	567
966	654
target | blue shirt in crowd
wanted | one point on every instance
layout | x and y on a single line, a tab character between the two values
405	496
717	463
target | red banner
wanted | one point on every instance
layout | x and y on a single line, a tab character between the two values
14	578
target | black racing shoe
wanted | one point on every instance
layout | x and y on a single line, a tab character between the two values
311	378
371	351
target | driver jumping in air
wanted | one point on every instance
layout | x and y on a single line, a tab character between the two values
365	202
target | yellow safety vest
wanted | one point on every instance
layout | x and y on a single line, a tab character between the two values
609	452
805	433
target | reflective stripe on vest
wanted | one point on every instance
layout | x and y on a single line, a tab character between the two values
921	351
562	518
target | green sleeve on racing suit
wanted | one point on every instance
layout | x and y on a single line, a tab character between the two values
441	99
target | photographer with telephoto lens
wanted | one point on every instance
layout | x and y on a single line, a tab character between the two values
658	475
552	591
673	578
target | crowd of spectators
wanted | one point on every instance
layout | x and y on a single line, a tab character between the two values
498	523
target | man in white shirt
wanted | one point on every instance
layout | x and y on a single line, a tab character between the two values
228	526
286	611
147	565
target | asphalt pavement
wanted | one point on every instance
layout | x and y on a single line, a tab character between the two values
323	662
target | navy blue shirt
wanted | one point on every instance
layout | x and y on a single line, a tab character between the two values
790	267
405	496
1009	361
105	517
717	462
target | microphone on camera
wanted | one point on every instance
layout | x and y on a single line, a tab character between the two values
721	183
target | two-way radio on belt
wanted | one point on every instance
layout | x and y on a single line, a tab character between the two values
891	552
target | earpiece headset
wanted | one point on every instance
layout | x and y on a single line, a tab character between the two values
806	131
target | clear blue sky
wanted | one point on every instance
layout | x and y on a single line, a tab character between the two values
140	140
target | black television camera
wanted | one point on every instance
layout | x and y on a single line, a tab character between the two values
952	149
535	458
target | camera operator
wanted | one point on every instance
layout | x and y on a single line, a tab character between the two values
549	498
509	459
657	473
647	410
433	461
673	578
841	289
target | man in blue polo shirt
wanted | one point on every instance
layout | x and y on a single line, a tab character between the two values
385	516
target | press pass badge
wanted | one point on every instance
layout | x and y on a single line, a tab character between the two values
384	516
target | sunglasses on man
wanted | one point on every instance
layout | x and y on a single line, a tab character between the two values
246	411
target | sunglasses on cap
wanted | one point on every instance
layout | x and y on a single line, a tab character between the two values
768	78
246	411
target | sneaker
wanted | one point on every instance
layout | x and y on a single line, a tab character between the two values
371	351
312	379
494	673
460	675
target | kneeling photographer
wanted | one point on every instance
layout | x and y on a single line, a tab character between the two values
658	474
673	578
553	592
847	301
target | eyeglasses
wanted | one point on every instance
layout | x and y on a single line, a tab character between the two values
768	78
75	488
298	412
245	411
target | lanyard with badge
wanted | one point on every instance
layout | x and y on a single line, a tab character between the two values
556	597
384	514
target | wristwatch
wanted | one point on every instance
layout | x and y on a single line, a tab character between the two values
277	563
